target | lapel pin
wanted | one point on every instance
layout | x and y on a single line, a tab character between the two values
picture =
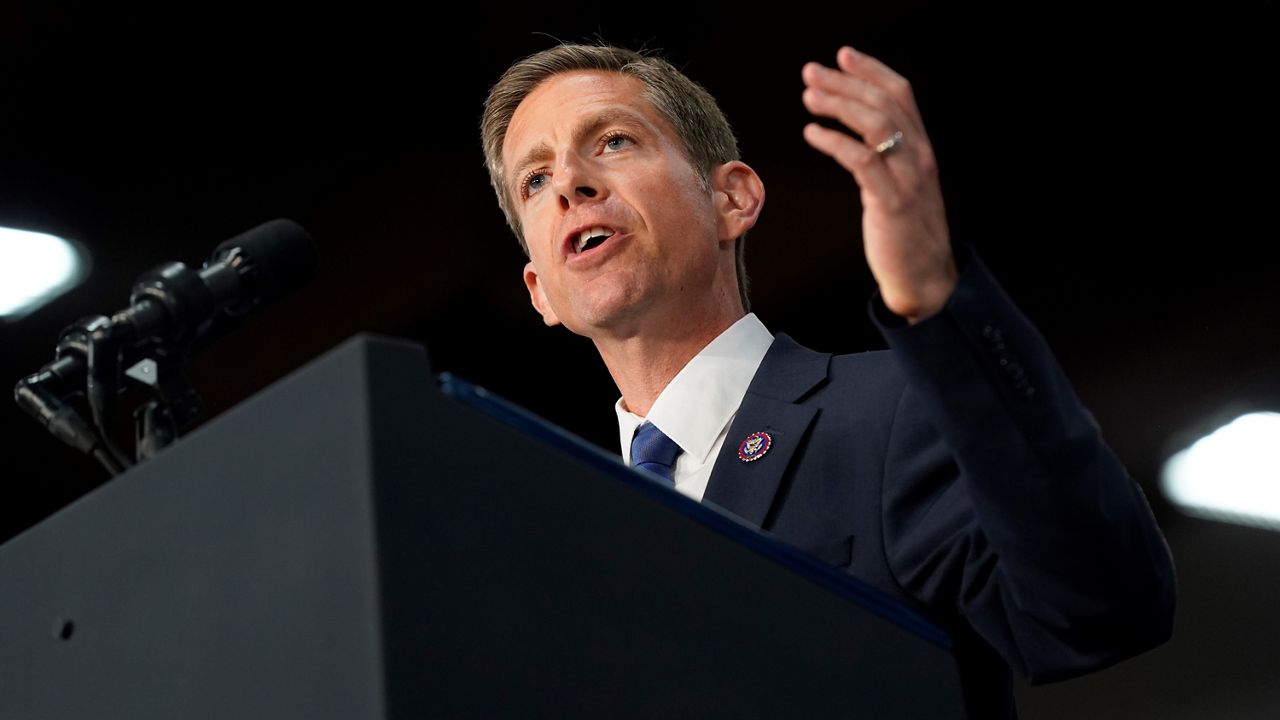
754	447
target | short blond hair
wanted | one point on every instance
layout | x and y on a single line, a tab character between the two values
704	132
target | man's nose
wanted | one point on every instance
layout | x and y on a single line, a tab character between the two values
580	193
575	184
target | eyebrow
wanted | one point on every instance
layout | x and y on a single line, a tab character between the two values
590	125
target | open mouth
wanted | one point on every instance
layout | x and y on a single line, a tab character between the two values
590	238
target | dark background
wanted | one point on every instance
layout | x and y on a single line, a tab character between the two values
1115	173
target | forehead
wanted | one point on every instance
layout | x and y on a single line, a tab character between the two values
563	100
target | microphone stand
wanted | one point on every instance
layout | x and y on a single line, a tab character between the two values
175	405
47	395
173	308
95	358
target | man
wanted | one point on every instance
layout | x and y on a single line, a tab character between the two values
956	472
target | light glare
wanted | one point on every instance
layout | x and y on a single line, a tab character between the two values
35	268
1232	474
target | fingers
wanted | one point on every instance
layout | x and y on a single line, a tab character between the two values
872	123
863	162
876	103
865	93
865	67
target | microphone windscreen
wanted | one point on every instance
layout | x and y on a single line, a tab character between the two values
281	254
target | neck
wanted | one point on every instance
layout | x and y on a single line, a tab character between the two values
643	364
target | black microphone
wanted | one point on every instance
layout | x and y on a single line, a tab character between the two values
176	304
170	308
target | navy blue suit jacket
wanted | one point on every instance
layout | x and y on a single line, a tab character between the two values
959	473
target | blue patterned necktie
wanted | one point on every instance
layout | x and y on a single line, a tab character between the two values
653	451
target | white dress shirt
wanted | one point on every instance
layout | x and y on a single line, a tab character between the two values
697	406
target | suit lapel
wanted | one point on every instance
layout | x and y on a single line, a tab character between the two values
772	405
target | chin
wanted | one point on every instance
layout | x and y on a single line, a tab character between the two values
606	318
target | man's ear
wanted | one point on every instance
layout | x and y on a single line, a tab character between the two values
537	297
738	195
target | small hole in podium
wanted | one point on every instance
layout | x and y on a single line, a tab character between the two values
66	629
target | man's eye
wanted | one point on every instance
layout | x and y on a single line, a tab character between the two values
533	182
616	142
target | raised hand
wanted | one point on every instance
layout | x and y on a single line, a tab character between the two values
904	224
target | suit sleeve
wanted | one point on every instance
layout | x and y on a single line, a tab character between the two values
1003	505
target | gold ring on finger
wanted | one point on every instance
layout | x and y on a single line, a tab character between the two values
891	144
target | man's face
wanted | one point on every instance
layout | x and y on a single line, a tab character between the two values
589	158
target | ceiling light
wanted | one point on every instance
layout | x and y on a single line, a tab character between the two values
1231	474
34	269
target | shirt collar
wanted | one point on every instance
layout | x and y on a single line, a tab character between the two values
704	396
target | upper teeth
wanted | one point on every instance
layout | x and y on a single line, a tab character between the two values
588	234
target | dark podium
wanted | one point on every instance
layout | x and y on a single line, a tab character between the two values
355	543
